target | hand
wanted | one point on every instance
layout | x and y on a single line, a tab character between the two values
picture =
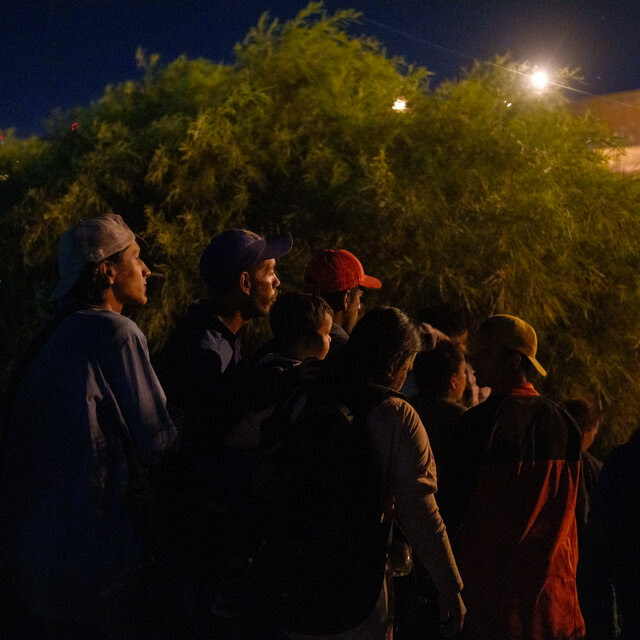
430	336
452	613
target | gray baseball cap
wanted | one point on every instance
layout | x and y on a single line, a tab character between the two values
89	242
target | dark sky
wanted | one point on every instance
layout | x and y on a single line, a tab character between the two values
63	53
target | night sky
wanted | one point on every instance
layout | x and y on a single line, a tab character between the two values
64	53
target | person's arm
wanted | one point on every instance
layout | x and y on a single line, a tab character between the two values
413	485
139	396
452	614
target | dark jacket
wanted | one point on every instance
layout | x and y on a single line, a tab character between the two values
610	554
199	371
518	470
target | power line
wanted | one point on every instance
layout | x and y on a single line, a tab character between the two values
459	54
435	45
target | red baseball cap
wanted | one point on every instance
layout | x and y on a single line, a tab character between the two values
334	270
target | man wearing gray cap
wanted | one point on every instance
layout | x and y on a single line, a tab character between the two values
88	415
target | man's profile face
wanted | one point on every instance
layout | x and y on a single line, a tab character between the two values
264	285
130	275
488	361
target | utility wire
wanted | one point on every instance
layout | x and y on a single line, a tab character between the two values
459	54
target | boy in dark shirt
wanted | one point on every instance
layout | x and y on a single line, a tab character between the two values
301	325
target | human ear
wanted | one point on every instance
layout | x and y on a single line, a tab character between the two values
245	282
346	299
515	360
106	269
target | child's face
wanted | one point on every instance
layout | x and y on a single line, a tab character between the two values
324	339
459	381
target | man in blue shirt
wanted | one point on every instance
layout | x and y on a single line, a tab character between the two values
199	372
88	416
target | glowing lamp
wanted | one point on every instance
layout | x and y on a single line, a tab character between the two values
539	80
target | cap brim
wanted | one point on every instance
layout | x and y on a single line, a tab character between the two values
63	287
539	368
369	282
141	241
277	247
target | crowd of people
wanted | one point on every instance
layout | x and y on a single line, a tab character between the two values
361	476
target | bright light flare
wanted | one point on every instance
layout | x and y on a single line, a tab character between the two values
539	80
400	104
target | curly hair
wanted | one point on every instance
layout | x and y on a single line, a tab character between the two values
90	287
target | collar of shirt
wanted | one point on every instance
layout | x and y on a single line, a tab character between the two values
338	334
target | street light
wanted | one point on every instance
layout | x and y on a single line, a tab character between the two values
400	104
539	80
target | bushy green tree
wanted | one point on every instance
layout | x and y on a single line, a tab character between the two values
480	192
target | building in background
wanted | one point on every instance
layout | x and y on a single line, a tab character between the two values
621	111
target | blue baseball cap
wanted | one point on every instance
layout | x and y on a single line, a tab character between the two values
236	250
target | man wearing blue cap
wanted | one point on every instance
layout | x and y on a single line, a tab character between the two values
199	372
199	363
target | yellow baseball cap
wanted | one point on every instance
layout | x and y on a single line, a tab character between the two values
516	334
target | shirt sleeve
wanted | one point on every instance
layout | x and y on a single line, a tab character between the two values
139	397
413	485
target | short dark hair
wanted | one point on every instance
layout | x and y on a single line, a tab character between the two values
335	299
584	412
433	369
297	316
381	343
525	366
90	287
224	285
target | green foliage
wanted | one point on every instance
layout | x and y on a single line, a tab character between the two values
481	192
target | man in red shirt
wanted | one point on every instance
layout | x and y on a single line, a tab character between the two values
518	479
